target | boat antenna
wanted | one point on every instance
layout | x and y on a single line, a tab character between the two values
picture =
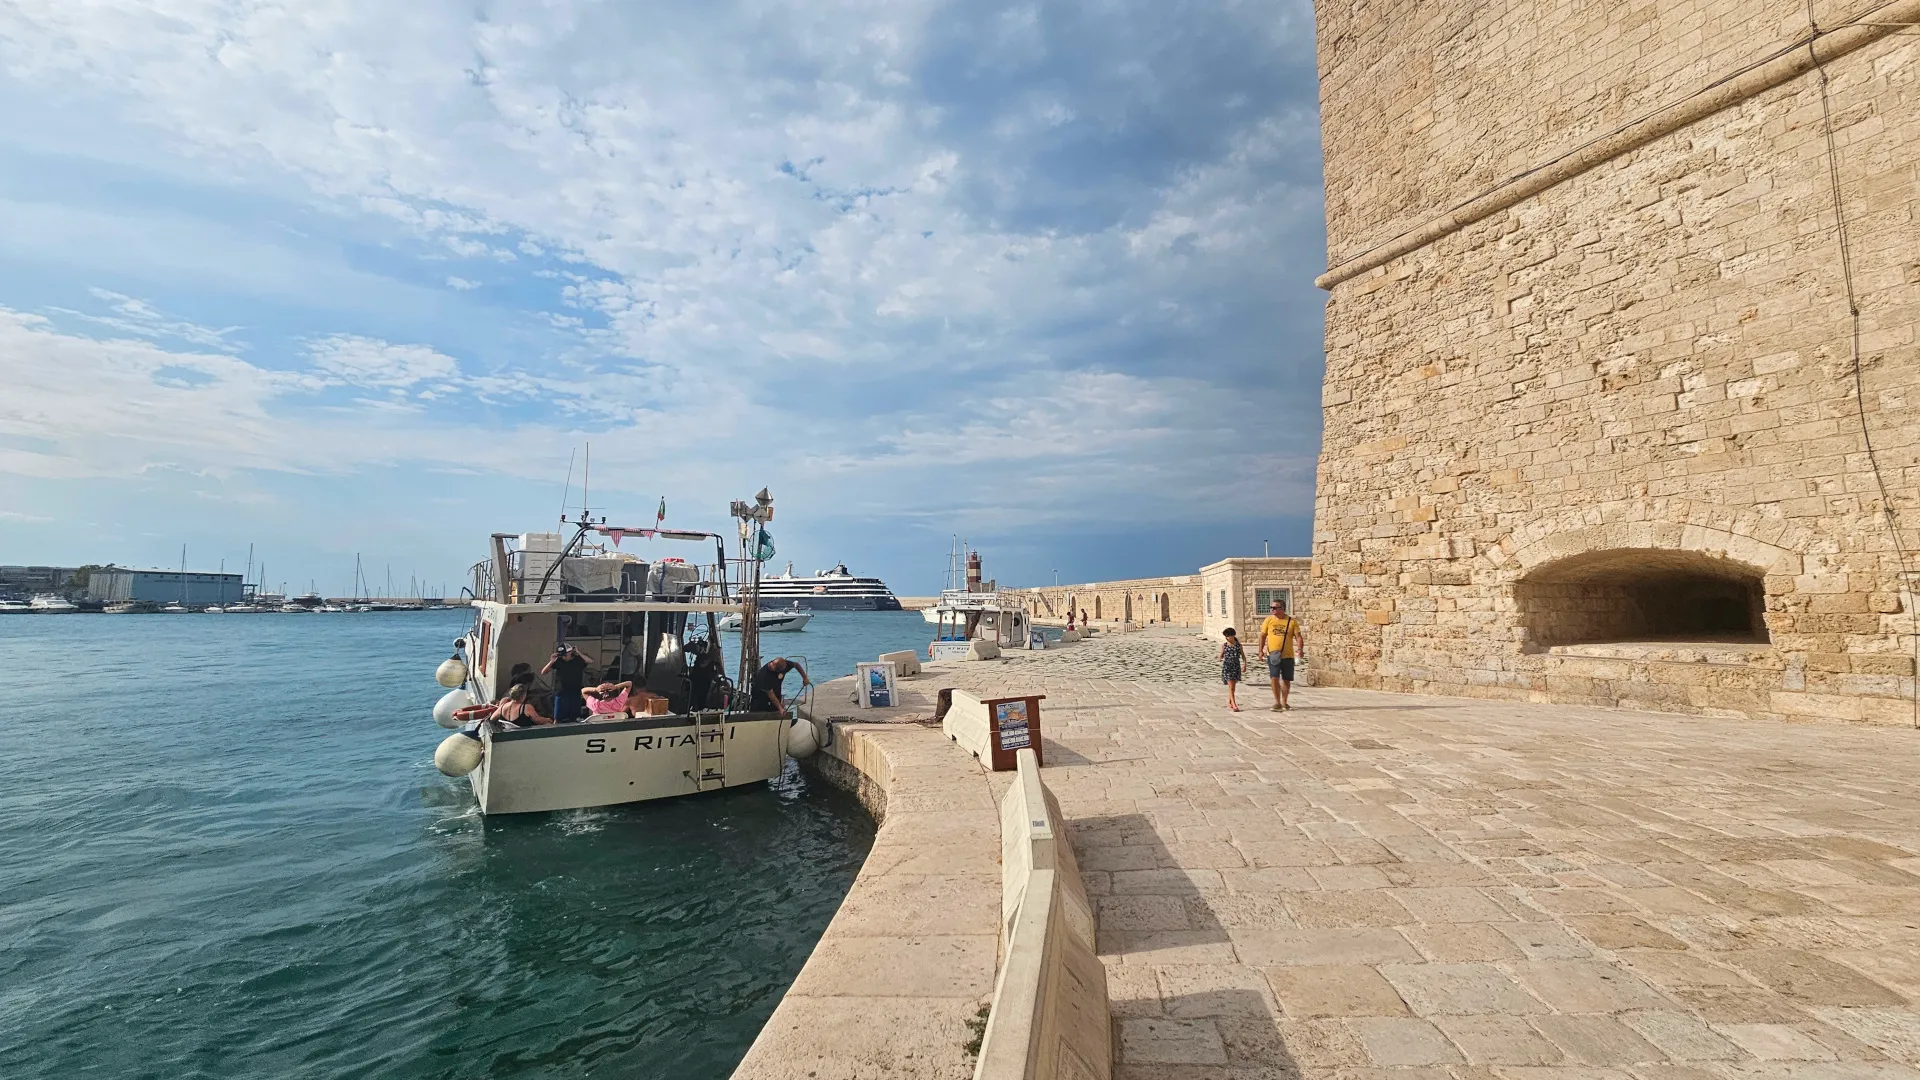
568	490
586	474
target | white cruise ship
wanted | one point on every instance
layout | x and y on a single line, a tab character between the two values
828	590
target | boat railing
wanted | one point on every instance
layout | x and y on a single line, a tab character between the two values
524	577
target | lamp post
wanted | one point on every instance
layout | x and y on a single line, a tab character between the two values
1265	549
1056	579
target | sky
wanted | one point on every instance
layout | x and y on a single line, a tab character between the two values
348	277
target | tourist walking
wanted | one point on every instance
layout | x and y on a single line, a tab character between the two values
1230	656
1280	641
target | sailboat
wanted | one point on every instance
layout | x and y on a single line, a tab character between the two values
179	607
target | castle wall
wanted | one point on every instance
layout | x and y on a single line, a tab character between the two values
1544	427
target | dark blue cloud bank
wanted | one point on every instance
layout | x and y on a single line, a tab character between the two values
1038	275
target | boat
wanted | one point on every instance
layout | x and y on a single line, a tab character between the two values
175	608
649	621
827	590
241	609
780	621
50	604
978	610
214	609
15	607
292	608
129	607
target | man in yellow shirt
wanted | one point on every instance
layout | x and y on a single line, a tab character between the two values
1280	642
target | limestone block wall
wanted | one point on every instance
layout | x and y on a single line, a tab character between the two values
1644	369
1142	601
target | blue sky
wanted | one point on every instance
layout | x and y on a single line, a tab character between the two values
344	276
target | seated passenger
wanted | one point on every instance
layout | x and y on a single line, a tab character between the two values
609	699
512	708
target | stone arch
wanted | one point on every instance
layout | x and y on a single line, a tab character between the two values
1642	594
1538	544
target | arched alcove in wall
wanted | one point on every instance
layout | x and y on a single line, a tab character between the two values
1643	594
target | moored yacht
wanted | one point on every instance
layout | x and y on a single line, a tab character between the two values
779	621
686	726
49	604
15	607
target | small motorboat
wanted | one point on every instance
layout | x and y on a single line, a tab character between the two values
49	604
772	622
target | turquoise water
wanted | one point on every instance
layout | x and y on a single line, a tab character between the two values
224	852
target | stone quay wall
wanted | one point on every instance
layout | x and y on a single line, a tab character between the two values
1590	382
1138	601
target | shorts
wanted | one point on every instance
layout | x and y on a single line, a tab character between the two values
1280	667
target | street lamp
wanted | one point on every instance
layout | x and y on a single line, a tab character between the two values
1056	579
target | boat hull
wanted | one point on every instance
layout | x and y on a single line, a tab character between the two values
831	603
575	766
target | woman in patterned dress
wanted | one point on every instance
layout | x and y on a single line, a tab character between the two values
1230	656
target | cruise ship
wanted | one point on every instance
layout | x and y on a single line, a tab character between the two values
827	590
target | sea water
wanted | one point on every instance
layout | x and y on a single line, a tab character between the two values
225	852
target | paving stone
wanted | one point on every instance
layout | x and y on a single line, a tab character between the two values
1328	910
1403	1041
1499	1040
1460	989
1272	948
1777	1042
1172	882
1544	941
1462	943
1142	912
1172	1042
1597	1040
1343	990
1894	1032
1587	986
1622	932
1215	991
1812	979
1681	1036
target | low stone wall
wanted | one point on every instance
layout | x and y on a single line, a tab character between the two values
1139	601
1049	1017
899	982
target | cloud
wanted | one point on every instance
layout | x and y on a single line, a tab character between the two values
360	361
1041	260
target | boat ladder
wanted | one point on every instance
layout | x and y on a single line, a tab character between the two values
710	749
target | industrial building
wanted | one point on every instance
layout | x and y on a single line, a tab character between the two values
114	584
32	580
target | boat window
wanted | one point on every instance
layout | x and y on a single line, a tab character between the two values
486	646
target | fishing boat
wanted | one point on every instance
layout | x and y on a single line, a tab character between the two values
653	622
978	610
771	622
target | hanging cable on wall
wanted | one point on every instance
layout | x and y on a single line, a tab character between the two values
1842	235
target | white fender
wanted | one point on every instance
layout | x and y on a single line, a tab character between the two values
802	739
451	702
452	673
458	754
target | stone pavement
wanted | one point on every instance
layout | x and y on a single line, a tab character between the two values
1445	889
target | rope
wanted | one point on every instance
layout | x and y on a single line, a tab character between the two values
1844	238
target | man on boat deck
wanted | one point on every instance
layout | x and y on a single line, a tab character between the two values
769	681
569	671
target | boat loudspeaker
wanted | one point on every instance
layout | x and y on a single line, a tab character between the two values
458	754
450	703
802	740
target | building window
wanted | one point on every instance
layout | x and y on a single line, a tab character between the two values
1223	601
1209	603
1264	598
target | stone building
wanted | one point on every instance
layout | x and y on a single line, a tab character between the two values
1138	601
1601	425
1236	592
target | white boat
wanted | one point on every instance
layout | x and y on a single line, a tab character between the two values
15	607
827	590
980	610
241	609
771	622
631	619
127	607
213	610
174	609
49	604
293	608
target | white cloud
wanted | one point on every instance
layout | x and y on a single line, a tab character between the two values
361	361
462	284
